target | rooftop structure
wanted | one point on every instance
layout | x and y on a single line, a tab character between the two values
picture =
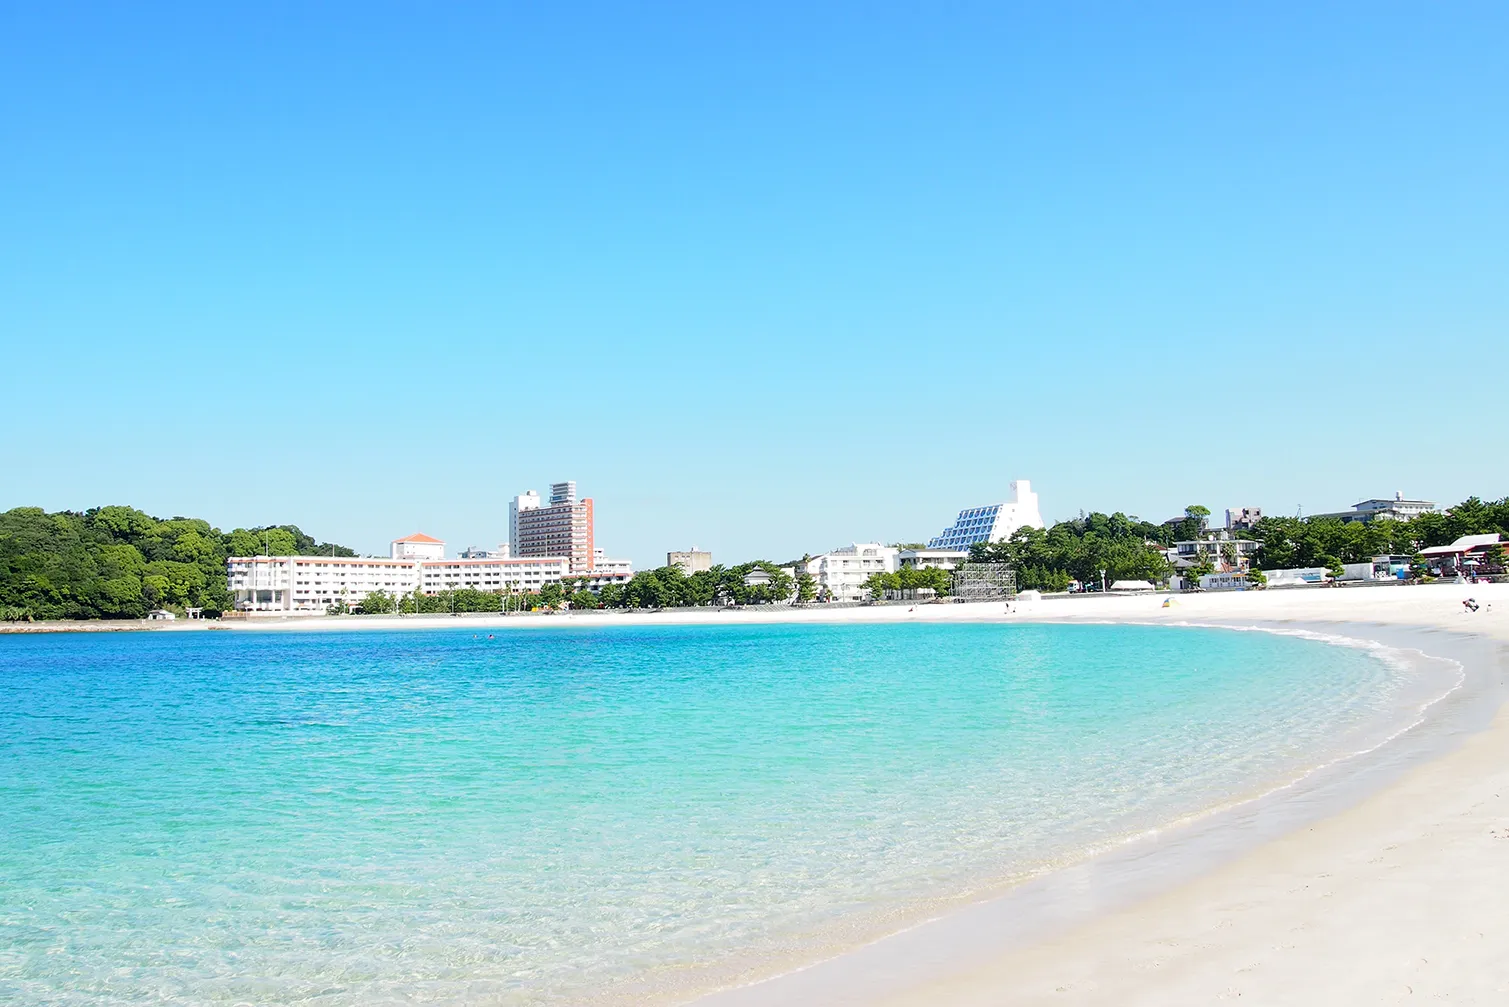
993	522
691	561
601	564
417	546
500	551
1242	518
932	559
1397	509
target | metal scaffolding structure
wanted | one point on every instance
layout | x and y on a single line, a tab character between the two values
984	582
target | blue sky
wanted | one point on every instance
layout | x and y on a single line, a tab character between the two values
767	281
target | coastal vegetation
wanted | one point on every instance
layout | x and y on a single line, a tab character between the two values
1286	542
120	563
1128	548
755	583
910	579
1086	548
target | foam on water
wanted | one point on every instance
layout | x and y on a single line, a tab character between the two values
550	815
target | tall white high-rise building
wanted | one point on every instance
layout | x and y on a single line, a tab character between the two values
993	522
526	501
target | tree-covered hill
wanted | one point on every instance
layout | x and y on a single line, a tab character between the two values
119	563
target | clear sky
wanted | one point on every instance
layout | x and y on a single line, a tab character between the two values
766	280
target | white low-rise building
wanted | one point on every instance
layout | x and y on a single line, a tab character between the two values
840	575
1382	508
1295	576
933	559
1228	581
311	585
513	574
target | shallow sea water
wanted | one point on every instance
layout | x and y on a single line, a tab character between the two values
550	815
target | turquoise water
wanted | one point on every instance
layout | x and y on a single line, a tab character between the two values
553	815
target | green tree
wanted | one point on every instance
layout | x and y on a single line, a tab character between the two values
378	603
806	584
1202	566
115	562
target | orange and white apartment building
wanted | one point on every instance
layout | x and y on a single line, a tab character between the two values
310	585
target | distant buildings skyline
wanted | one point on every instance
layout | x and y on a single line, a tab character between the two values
564	527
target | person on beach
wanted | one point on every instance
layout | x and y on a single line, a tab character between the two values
1471	604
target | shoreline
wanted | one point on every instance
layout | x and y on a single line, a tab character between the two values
1264	900
1293	603
1127	870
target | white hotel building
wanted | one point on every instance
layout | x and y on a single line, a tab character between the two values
993	522
840	575
310	585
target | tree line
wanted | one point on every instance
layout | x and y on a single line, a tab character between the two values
910	578
1125	548
1287	542
121	563
663	587
1128	548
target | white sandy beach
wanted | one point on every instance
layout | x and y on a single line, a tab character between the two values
1401	897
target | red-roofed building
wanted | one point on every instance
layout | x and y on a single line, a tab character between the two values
418	546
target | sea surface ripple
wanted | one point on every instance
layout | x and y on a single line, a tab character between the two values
546	815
